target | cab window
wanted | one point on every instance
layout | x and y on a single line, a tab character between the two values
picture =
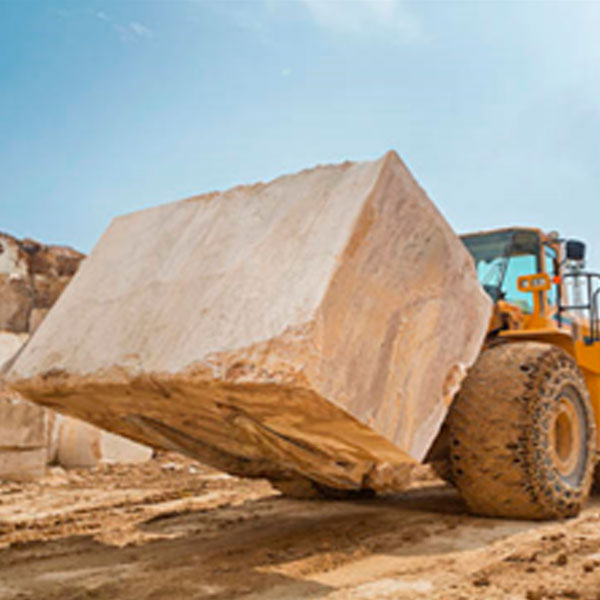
525	264
551	261
501	257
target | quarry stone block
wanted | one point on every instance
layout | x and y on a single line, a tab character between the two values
22	424
22	464
80	444
29	434
317	325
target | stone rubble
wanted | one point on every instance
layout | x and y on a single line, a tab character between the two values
32	277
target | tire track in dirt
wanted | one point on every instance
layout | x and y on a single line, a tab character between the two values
174	529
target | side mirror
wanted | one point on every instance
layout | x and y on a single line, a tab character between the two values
575	250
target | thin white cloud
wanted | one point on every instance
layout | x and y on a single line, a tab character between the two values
139	29
366	17
131	31
389	20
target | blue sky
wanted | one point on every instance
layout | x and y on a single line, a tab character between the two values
110	106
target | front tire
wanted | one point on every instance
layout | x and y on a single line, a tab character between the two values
522	434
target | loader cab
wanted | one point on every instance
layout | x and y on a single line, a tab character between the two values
503	256
541	277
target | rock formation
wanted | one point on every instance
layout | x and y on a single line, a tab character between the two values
32	277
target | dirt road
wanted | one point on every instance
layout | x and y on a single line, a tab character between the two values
173	529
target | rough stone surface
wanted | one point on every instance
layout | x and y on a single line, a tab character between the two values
48	289
22	424
36	318
32	277
22	464
23	433
10	344
319	324
16	303
57	261
13	258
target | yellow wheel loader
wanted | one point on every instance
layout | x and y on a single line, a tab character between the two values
521	436
328	330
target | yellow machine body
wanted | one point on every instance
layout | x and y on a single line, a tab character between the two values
541	319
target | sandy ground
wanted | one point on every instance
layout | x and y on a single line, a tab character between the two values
173	529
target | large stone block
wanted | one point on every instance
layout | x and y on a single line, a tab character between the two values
22	464
319	324
22	424
80	444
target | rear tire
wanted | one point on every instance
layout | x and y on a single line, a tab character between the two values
443	469
522	434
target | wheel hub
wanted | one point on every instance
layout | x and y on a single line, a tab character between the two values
565	436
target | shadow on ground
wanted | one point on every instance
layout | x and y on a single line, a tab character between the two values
249	547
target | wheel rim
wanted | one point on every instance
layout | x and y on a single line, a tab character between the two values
567	436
